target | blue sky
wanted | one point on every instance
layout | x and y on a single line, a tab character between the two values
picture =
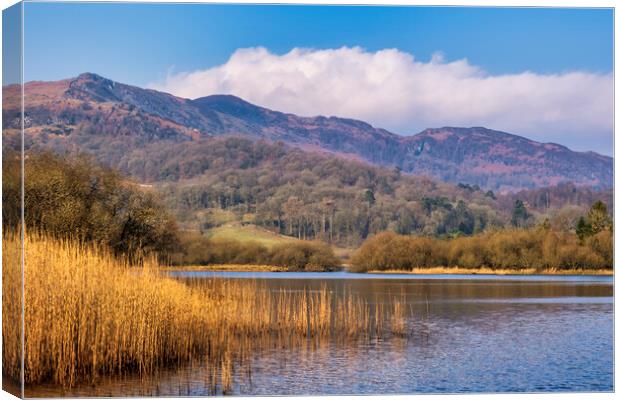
158	45
139	43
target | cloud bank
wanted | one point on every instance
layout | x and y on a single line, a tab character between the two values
391	89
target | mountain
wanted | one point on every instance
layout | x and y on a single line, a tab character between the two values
499	160
95	114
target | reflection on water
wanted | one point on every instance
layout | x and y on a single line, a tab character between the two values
486	334
380	276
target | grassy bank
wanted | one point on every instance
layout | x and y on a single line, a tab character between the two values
228	267
245	268
250	233
415	271
489	271
90	314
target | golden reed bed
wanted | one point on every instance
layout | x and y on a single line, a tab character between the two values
88	314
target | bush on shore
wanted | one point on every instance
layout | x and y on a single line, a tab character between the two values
536	248
72	197
303	255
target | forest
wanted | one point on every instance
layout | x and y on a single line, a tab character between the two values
316	196
74	198
322	201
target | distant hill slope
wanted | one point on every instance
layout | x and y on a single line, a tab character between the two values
496	159
91	113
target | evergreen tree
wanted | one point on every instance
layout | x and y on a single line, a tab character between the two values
460	219
583	229
520	215
369	196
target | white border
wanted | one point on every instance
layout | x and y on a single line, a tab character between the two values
478	3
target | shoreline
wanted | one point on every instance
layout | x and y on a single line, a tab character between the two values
227	268
240	268
415	271
489	271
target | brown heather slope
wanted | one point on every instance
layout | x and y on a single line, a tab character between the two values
94	114
500	160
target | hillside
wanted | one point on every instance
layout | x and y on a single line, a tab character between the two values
307	195
236	188
500	160
93	114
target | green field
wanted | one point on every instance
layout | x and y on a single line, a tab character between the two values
244	233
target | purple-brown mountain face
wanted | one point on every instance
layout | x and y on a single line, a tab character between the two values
94	114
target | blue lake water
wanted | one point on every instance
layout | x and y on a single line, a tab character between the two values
471	333
380	276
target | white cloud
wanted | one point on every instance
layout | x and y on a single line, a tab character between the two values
392	90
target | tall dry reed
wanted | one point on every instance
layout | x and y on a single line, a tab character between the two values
90	314
11	306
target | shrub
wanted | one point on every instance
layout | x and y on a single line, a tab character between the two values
388	250
602	244
304	256
73	197
196	249
535	248
468	252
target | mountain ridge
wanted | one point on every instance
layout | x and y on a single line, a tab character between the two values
93	105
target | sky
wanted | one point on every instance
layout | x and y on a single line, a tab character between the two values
546	74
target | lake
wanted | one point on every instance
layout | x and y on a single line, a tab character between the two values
469	333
